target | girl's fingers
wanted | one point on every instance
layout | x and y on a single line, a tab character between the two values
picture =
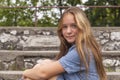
28	79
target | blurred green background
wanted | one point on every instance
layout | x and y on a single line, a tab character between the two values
45	13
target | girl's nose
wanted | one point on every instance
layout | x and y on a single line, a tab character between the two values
69	30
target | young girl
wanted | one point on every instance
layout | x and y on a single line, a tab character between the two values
80	55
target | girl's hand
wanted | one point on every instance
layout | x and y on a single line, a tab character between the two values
42	62
25	78
44	71
45	61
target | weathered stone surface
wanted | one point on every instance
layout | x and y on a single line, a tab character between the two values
16	75
2	78
42	42
113	75
28	38
10	75
16	38
25	46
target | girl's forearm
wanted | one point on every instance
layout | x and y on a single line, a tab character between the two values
33	74
34	71
44	71
28	76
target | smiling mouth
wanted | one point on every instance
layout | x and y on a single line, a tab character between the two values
69	37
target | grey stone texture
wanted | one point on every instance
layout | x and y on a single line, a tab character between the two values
23	47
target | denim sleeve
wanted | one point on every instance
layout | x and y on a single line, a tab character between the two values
71	62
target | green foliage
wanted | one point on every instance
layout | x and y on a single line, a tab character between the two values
16	16
73	3
104	16
47	17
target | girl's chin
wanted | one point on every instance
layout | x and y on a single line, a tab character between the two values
71	42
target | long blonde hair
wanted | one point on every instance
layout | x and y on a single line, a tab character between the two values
84	36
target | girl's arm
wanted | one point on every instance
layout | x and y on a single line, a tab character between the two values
44	72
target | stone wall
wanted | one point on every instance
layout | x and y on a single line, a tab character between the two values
22	48
108	37
27	38
17	38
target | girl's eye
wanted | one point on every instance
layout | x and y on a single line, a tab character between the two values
74	26
64	27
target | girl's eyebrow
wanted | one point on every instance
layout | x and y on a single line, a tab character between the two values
73	23
70	24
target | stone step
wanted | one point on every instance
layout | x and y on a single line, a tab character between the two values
111	53
10	75
12	54
16	75
13	59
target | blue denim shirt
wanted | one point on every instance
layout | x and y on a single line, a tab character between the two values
74	70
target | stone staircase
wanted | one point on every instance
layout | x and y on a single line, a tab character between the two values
16	75
10	74
22	48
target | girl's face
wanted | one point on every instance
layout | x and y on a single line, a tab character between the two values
69	28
